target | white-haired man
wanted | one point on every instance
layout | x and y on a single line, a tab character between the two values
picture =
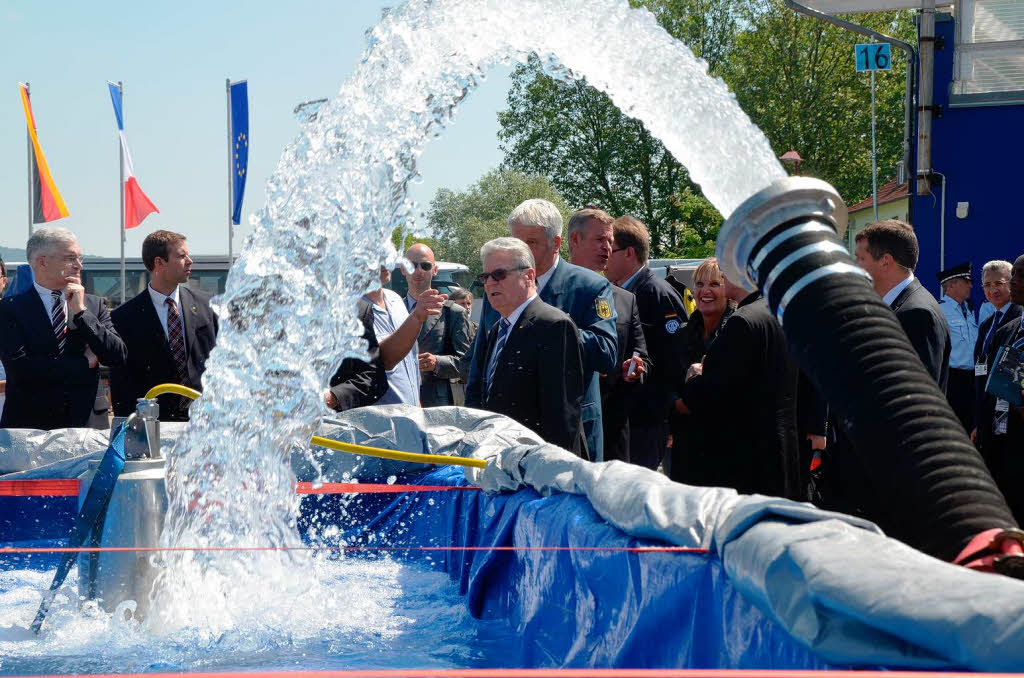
53	337
531	367
582	294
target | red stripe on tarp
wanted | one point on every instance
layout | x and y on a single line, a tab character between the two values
559	673
100	549
60	487
373	488
47	487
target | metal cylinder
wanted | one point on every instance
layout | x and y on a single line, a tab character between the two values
134	517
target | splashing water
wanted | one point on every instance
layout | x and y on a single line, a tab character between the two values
288	314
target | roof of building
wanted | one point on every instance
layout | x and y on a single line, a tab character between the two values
890	192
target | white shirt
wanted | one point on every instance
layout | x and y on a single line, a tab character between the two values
630	279
891	295
403	378
543	279
160	302
46	295
513	317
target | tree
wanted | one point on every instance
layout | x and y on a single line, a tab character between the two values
594	154
795	77
463	221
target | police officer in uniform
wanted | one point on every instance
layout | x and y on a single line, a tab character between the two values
662	315
963	335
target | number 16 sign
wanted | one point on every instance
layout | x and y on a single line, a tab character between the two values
876	56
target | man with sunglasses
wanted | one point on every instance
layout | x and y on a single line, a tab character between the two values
53	337
531	367
443	339
582	294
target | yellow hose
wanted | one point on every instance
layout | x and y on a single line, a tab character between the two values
351	448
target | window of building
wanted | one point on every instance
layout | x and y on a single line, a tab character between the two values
989	59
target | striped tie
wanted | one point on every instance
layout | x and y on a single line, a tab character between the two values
176	338
503	333
60	321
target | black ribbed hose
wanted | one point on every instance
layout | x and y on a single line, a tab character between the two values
935	489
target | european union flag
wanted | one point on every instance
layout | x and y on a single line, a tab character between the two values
239	146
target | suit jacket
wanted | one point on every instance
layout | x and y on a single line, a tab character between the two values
150	361
358	383
615	393
926	327
984	404
587	298
1005	457
744	404
47	390
538	380
448	337
662	316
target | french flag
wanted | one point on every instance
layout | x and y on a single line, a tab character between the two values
136	205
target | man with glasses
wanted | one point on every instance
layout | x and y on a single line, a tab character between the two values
531	366
1000	426
52	339
584	295
443	339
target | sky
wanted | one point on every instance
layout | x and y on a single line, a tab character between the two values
173	59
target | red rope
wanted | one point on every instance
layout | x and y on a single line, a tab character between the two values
560	673
101	549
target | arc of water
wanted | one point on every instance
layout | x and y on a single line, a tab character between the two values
336	195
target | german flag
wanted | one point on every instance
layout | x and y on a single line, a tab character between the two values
49	206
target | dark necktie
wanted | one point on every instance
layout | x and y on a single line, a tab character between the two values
963	309
60	321
991	331
176	338
503	331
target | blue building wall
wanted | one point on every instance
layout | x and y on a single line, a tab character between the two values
980	150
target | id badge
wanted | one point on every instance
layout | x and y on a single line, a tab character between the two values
1002	405
981	369
999	424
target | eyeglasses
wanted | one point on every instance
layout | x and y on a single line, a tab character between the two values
71	259
498	274
425	265
995	283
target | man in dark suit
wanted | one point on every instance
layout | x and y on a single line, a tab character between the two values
1003	424
52	339
662	315
744	397
359	383
585	296
531	368
169	330
995	278
888	251
590	245
444	338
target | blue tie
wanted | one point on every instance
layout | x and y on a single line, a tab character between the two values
991	331
503	331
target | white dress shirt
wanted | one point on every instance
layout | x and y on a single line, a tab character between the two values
891	295
160	302
513	317
46	295
543	279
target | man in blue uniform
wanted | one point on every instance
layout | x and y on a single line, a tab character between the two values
584	295
963	335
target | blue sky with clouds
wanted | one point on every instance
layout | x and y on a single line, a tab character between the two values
173	59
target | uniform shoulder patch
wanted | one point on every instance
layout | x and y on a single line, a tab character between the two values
604	309
672	325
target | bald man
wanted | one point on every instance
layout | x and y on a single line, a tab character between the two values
444	338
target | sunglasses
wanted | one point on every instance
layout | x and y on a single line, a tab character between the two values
425	265
498	274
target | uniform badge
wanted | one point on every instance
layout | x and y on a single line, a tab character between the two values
604	309
672	325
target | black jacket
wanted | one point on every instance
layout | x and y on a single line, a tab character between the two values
47	390
927	329
358	383
616	393
1007	464
538	380
662	316
150	361
984	404
745	403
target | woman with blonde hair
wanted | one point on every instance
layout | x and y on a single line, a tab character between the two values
712	312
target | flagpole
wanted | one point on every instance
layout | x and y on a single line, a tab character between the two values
31	183
120	155
231	221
